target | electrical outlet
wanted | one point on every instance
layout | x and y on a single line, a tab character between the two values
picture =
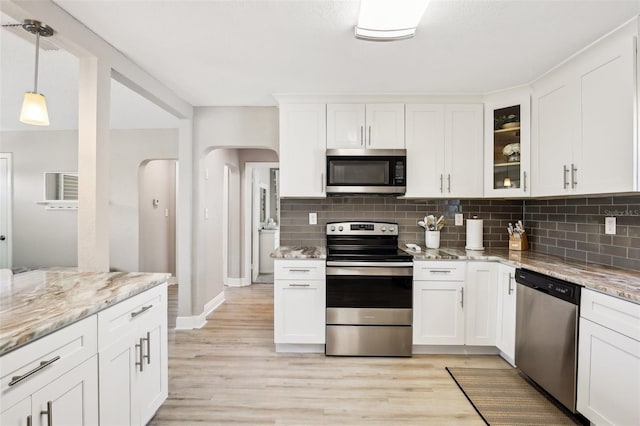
313	218
459	219
610	225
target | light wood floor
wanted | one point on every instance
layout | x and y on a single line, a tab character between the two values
229	373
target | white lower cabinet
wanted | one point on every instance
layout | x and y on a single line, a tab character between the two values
481	303
133	358
299	301
438	299
52	381
609	360
506	321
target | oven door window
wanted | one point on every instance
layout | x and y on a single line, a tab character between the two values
358	172
369	292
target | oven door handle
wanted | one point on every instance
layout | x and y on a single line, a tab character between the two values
369	271
368	264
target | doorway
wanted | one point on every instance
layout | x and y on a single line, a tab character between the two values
157	216
5	211
265	220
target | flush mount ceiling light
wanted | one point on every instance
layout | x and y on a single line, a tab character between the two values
389	20
34	106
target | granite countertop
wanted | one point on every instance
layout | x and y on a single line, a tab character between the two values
36	303
617	282
300	253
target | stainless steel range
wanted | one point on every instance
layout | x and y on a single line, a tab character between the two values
369	291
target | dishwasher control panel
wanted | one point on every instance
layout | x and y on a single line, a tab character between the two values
553	286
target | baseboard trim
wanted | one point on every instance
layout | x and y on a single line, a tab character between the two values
300	348
237	282
198	321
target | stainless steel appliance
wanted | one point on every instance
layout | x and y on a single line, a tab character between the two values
366	171
369	291
547	333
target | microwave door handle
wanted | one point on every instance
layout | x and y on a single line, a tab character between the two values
361	135
369	136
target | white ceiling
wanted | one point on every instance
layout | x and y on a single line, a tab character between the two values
237	52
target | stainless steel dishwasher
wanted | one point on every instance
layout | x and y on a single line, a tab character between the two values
547	333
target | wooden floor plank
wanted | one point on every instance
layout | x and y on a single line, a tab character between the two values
228	373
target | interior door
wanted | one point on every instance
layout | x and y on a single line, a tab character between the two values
5	210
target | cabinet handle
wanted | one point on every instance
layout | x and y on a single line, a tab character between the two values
361	135
43	364
143	309
510	279
321	182
524	179
299	285
299	270
441	183
449	183
574	171
141	362
48	413
148	340
440	271
29	422
369	136
462	297
566	170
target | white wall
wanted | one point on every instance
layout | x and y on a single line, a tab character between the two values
41	237
129	149
157	207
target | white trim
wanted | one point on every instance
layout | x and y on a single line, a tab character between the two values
454	350
198	321
507	358
300	348
9	231
225	223
237	282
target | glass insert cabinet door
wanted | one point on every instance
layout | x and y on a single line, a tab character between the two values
506	147
507	137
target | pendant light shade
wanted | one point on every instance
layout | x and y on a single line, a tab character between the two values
34	106
506	182
34	110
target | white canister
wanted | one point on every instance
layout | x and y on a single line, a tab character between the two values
432	239
474	234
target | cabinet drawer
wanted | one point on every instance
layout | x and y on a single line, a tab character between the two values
117	320
299	269
439	271
27	369
616	314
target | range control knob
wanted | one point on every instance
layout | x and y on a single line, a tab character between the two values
392	229
333	228
340	228
384	228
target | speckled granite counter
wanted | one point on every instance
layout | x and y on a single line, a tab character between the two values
36	303
617	282
300	253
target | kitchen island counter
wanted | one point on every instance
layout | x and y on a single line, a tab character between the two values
622	283
36	303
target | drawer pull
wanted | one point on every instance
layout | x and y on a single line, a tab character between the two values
143	309
299	270
49	413
43	364
510	280
440	271
299	285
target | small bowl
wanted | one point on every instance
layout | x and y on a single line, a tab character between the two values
511	125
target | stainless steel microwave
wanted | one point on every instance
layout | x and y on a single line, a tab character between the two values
366	171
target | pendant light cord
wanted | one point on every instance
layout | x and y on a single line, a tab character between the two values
35	78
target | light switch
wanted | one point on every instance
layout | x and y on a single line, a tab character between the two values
459	219
206	213
313	218
610	225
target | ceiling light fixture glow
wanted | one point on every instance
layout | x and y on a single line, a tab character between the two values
34	106
389	20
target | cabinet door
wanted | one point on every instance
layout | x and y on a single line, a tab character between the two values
555	121
71	399
18	414
506	339
385	126
463	153
425	150
302	150
151	385
607	90
481	303
299	311
116	372
438	315
507	145
608	376
345	126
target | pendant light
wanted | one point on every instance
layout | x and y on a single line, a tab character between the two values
506	183
34	105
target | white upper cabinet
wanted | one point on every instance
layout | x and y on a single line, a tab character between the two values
370	126
583	122
444	150
507	145
302	150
